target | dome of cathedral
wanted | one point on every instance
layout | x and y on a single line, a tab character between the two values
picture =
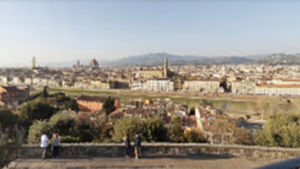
94	63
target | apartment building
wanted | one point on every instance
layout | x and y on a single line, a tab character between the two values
243	87
278	89
159	84
13	95
205	86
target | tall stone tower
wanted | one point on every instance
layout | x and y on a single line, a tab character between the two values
33	62
166	67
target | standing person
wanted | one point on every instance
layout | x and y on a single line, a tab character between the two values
127	146
137	148
55	145
44	144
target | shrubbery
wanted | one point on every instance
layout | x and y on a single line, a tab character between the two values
35	111
176	131
88	127
153	129
36	130
281	129
82	128
61	123
9	137
126	125
194	137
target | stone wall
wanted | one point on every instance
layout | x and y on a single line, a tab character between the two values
89	150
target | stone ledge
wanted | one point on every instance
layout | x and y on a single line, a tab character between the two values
171	145
84	150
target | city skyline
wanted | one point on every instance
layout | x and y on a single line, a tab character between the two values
55	31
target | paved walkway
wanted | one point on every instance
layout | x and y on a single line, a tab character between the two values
154	162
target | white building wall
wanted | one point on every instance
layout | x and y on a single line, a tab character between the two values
201	86
159	85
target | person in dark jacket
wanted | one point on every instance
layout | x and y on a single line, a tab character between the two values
55	145
137	148
127	146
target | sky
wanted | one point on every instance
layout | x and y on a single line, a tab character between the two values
65	30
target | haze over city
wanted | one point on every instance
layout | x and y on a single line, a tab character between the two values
54	31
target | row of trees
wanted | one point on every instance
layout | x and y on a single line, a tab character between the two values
87	127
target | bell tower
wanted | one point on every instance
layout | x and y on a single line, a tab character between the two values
33	62
166	68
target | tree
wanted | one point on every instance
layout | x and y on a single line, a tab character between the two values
176	131
281	130
73	105
192	111
126	125
243	136
88	127
62	123
106	134
10	137
45	93
194	137
223	84
36	130
8	147
7	119
109	106
154	130
35	111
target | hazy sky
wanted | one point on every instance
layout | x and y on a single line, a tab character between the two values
54	31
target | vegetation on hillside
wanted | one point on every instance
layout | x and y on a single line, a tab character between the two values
10	137
281	129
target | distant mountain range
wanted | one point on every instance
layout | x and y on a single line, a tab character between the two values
158	58
281	59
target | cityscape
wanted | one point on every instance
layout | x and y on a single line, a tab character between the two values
152	84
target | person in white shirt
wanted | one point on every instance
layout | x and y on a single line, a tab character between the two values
44	144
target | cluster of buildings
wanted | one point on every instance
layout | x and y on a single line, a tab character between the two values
236	79
216	126
12	95
267	86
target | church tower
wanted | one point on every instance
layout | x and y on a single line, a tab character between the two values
166	68
33	62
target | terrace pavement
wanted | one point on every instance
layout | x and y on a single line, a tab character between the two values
149	162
